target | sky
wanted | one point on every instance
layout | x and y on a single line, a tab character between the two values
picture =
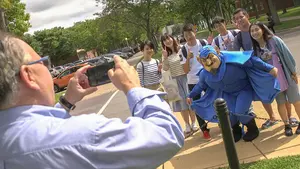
45	14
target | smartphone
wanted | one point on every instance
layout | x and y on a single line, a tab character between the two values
98	75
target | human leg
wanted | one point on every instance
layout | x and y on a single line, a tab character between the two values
272	121
281	105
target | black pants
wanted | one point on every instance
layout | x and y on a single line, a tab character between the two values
272	28
201	122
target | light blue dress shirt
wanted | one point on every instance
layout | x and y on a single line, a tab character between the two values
39	137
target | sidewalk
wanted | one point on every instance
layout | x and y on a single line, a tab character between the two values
198	153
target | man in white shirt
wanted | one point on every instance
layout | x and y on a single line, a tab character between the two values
225	39
190	52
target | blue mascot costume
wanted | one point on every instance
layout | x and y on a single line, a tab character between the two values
239	78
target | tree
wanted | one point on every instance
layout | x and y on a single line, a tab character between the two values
17	18
273	12
205	8
150	15
35	44
55	43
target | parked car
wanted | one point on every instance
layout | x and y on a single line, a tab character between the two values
94	61
78	62
54	72
127	49
68	65
59	68
111	55
62	80
128	55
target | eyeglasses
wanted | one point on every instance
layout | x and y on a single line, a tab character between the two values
45	61
235	19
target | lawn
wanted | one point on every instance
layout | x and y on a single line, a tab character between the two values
287	24
290	12
288	162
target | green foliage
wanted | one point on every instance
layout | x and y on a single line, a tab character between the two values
149	15
17	18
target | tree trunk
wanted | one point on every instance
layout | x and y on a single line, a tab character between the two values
3	25
255	9
273	12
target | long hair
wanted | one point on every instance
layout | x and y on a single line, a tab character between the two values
267	34
175	44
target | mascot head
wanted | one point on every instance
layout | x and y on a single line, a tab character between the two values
210	59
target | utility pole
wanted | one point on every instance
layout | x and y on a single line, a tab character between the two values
2	20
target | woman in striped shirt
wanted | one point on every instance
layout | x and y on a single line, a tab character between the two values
149	69
174	62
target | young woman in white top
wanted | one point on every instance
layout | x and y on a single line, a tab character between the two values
174	62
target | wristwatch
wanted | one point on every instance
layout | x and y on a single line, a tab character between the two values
64	102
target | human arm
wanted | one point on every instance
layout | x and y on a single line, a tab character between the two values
147	140
236	45
287	57
166	65
186	60
199	87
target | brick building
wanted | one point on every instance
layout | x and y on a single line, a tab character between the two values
261	6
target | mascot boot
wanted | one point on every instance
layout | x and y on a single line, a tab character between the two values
252	131
237	132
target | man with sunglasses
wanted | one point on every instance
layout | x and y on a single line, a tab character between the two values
34	134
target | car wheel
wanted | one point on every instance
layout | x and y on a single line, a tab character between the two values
56	88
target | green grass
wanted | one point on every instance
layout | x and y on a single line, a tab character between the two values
290	12
287	25
57	95
288	162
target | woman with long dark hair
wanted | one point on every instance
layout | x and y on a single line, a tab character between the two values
173	61
274	51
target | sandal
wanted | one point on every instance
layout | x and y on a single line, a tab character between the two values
293	122
268	124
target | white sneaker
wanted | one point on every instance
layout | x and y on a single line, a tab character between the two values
188	131
194	127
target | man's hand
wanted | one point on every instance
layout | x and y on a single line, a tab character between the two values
78	86
189	101
123	76
274	71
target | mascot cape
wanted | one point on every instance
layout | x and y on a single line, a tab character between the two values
264	85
